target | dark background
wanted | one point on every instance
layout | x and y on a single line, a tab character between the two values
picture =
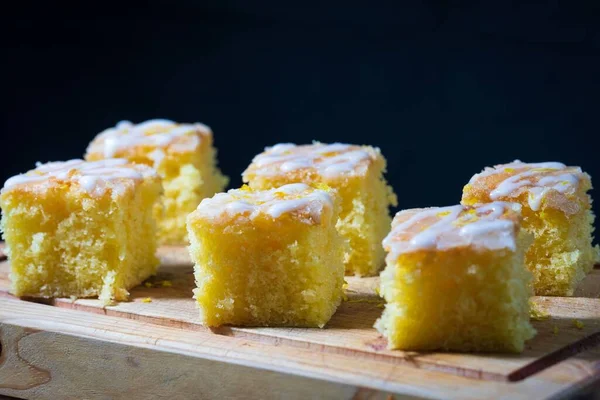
444	88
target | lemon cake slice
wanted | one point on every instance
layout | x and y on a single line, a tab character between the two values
183	155
556	210
267	258
455	280
356	172
80	229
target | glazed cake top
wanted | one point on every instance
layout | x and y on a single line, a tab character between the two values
489	226
302	201
327	160
538	180
93	177
155	133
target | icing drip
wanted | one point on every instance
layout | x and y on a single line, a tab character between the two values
488	226
159	133
329	160
92	177
275	202
428	238
517	164
538	179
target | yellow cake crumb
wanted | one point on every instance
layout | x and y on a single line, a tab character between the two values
166	284
556	209
82	229
148	284
461	273
356	173
182	154
147	300
536	313
578	324
555	330
267	258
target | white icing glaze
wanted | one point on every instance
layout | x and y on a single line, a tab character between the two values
88	183
537	178
294	165
329	160
293	188
152	124
517	164
429	237
511	184
275	202
239	207
334	147
111	146
497	208
456	226
93	177
157	156
124	124
499	233
280	148
286	206
160	133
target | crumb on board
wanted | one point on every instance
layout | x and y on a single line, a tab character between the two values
578	324
148	284
166	284
147	300
555	330
536	313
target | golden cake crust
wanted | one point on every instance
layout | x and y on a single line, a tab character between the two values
96	178
548	184
312	162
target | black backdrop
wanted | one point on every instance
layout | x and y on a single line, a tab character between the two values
443	89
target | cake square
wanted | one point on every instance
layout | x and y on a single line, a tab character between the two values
356	173
556	210
455	280
267	258
183	155
81	229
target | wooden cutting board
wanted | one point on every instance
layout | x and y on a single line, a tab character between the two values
158	349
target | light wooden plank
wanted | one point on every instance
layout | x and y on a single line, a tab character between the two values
351	333
49	352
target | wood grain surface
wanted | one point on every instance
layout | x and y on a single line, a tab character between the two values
565	351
